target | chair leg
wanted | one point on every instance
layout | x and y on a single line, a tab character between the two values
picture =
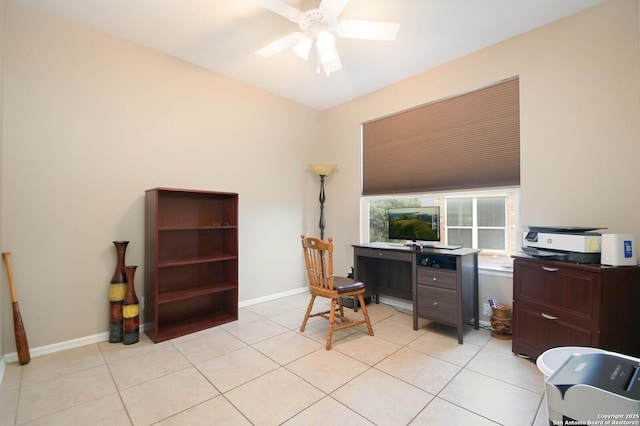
341	307
332	318
308	313
365	313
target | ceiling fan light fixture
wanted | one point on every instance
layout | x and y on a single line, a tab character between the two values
331	66
327	54
303	47
325	40
329	59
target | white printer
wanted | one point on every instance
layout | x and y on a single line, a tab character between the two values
595	389
568	243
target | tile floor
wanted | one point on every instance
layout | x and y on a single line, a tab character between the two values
260	370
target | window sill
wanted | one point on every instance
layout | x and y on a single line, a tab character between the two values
495	268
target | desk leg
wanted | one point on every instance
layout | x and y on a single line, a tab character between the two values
476	295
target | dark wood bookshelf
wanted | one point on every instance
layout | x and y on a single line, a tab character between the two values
191	254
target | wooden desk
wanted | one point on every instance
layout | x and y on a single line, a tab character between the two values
442	284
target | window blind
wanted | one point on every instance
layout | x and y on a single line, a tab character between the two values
466	141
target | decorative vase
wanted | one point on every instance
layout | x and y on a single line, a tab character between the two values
117	290
130	310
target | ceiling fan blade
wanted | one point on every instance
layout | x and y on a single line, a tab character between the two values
280	44
332	7
283	9
368	30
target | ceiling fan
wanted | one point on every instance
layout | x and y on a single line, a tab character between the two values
318	26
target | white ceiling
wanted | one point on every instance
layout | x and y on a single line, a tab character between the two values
222	35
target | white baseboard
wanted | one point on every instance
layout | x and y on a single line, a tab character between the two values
404	305
2	366
69	344
484	323
57	347
101	337
273	297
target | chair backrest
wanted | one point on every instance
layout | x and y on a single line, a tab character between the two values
318	255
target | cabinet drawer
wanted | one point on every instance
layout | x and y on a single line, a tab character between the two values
560	288
384	254
543	329
436	278
437	304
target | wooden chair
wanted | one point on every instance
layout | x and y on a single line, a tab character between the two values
318	255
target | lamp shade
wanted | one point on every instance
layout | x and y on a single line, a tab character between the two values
322	169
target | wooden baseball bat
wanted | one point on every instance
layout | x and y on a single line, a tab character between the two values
22	345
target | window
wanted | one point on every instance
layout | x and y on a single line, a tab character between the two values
435	151
477	222
485	219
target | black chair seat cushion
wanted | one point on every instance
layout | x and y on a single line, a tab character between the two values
346	285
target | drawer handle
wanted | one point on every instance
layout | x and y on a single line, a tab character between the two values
435	279
549	317
435	303
546	268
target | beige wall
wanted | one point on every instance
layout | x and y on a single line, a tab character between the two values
91	122
3	16
580	132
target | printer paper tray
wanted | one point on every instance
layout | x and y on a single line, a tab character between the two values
554	255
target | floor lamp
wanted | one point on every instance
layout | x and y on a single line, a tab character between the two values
322	170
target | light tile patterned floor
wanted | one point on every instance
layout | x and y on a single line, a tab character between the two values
260	370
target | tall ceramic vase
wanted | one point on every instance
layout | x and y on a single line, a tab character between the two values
117	290
130	310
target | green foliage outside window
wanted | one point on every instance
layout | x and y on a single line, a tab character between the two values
378	219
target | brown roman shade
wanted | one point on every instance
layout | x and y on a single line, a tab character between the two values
467	141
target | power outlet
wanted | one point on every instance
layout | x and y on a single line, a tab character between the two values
487	310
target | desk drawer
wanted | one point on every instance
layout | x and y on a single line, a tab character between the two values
383	254
436	278
437	304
